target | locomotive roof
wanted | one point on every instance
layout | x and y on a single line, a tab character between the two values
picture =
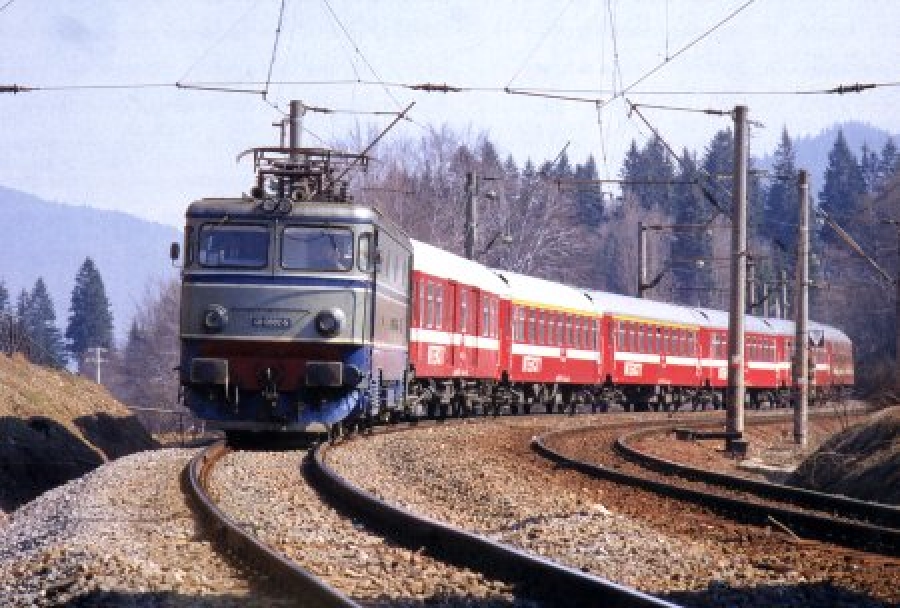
534	291
249	209
443	264
639	308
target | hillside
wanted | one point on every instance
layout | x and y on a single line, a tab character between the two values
55	427
812	150
862	462
51	240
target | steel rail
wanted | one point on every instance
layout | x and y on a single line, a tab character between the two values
535	576
307	589
855	534
842	506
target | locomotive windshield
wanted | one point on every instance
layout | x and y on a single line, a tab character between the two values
317	248
233	246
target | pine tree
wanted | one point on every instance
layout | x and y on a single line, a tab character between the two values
90	318
4	299
39	317
868	164
888	165
588	199
649	170
782	206
844	186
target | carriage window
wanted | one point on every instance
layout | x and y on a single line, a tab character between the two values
317	248
429	302
494	318
233	246
560	329
463	310
421	303
438	306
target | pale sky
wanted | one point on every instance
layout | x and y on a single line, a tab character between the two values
150	151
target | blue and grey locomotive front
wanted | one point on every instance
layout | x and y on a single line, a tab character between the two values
294	312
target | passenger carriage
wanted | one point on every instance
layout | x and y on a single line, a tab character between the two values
455	331
651	355
552	343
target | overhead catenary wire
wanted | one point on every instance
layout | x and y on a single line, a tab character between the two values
677	53
274	50
540	42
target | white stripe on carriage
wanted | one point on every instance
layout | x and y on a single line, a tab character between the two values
764	365
534	349
636	357
433	336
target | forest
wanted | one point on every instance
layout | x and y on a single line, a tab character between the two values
563	224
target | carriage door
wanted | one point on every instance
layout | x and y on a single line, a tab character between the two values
462	327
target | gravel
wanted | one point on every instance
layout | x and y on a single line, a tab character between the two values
483	477
361	564
122	535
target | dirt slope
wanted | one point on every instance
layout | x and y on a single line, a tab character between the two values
55	427
862	461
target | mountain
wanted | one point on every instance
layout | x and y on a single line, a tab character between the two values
39	238
812	150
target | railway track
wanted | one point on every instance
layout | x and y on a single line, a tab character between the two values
535	576
803	514
528	578
307	588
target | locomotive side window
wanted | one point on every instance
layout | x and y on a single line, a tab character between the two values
233	246
364	255
317	248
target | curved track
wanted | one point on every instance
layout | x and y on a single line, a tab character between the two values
805	513
306	588
537	577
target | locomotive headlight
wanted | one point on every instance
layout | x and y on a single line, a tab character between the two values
329	322
215	318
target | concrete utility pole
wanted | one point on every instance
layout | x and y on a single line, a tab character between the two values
801	340
784	294
642	260
734	398
471	213
95	356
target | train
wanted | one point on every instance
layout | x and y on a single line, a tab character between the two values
305	312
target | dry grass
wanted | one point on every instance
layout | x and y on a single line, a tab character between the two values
862	461
55	426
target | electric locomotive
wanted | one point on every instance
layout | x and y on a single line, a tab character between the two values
294	301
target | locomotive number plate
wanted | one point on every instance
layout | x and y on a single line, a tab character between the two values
270	322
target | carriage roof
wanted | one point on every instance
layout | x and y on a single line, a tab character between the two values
532	291
445	265
650	310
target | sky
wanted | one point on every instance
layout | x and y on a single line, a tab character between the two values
150	148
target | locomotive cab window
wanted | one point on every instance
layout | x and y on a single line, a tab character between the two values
318	249
233	246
